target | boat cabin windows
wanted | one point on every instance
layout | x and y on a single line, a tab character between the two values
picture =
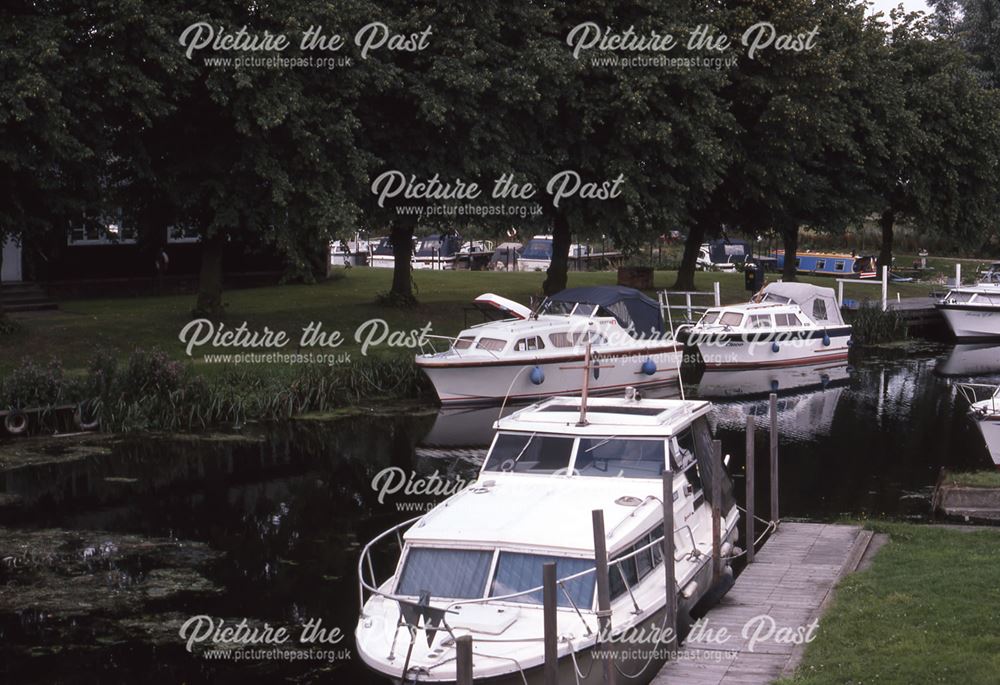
464	343
787	320
620	458
452	573
683	459
710	317
576	338
539	454
820	264
733	319
839	265
637	567
760	321
819	310
517	572
529	344
491	344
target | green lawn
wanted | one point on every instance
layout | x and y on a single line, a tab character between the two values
975	479
927	611
73	333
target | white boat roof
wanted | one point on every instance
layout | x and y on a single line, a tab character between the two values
543	323
606	416
507	513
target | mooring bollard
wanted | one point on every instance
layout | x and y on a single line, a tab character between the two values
549	602
463	660
751	533
669	570
774	459
717	511
603	594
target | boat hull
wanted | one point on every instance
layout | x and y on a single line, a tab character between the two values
458	381
737	351
989	427
969	322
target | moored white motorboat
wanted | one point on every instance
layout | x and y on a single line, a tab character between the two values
473	565
531	355
972	312
986	414
784	324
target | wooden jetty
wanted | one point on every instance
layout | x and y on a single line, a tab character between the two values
791	580
918	312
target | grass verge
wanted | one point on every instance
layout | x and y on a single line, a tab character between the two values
974	479
927	611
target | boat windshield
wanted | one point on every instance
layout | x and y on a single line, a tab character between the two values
537	249
622	458
520	453
517	572
451	573
710	317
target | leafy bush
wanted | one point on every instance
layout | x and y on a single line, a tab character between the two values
33	385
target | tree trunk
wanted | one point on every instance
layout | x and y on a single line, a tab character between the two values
3	239
210	278
689	262
402	252
887	222
557	274
790	238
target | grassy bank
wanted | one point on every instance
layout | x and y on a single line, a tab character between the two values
119	325
927	611
974	479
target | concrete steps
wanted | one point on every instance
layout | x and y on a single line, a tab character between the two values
25	297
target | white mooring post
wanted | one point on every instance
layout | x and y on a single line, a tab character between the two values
718	297
773	402
958	274
885	288
840	293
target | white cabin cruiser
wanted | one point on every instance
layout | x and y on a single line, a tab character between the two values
986	414
473	564
526	357
973	311
784	324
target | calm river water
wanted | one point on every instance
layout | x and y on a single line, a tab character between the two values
109	547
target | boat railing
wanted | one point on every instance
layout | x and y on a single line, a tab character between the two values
977	392
690	306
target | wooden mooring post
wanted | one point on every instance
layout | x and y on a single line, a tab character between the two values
463	660
717	511
774	458
549	603
751	533
669	570
603	595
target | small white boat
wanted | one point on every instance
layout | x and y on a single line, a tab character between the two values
473	564
537	254
784	324
530	355
986	414
972	312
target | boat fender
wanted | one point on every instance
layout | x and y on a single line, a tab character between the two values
649	367
16	422
850	342
826	340
824	380
537	376
775	347
774	385
85	417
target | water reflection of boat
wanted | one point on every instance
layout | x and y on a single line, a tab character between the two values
971	360
473	565
720	384
807	397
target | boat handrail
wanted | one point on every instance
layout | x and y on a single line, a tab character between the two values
970	393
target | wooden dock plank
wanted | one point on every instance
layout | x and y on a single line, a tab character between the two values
789	583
